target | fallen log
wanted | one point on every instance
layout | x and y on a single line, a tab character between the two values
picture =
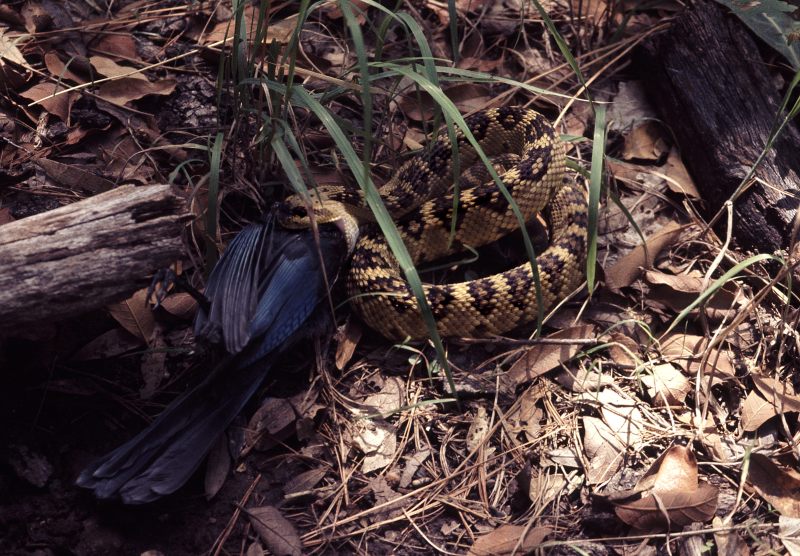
87	254
719	98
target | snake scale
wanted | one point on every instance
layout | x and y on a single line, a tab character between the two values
418	197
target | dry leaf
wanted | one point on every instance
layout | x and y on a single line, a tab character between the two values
627	269
477	430
623	350
124	90
37	17
728	541
181	305
645	142
59	69
682	508
389	399
466	96
276	531
540	358
779	392
686	351
789	534
779	486
304	482
273	422
57	105
672	494
119	45
134	315
218	465
347	340
678	178
109	68
279	31
603	450
74	177
666	385
506	538
378	441
756	411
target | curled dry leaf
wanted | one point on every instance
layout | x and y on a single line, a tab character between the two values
728	541
672	496
506	538
347	338
540	358
276	531
623	350
777	485
627	269
377	439
304	482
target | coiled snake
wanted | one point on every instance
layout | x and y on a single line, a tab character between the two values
418	197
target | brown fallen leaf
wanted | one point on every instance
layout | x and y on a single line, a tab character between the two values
272	423
478	429
36	16
628	268
603	451
540	358
645	142
304	482
152	367
666	385
57	105
672	510
780	486
127	89
134	315
181	305
280	30
466	96
756	411
779	392
218	465
624	350
668	494
347	340
686	351
276	531
74	177
109	68
116	45
678	178
60	70
727	539
506	538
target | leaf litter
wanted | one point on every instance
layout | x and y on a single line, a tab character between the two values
367	453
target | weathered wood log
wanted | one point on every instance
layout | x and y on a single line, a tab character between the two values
716	94
87	254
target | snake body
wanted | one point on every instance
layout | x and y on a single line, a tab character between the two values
417	196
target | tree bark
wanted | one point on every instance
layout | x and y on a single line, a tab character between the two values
719	99
87	254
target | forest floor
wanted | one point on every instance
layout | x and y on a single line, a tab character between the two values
641	422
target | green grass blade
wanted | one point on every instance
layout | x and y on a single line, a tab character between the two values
595	186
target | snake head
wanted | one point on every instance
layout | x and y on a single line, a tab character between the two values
298	212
